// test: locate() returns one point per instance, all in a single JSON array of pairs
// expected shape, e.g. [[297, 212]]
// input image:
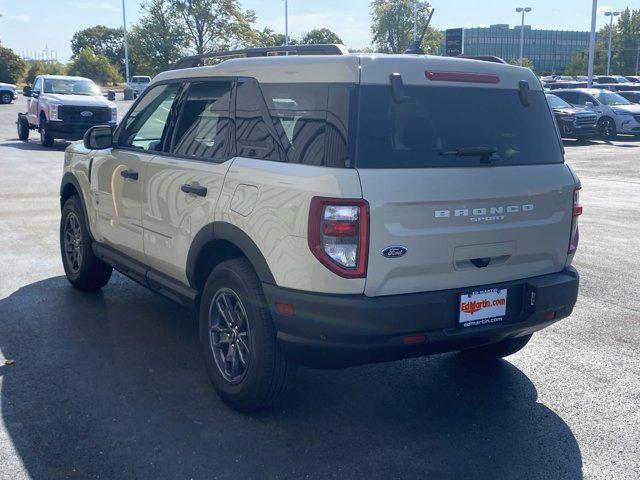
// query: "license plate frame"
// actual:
[[482, 307]]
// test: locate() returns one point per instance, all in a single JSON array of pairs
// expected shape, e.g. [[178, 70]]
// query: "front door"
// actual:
[[118, 174], [33, 102]]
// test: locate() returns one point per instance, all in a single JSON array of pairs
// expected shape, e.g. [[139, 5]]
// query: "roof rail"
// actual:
[[483, 58], [198, 60]]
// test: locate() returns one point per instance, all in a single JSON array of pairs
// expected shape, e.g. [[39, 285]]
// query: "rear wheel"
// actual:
[[238, 339], [6, 97], [504, 348], [607, 128], [23, 129], [83, 269], [46, 137]]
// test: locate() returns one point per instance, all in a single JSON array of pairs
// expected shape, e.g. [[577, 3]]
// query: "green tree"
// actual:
[[526, 62], [158, 40], [36, 68], [320, 36], [96, 67], [101, 40], [579, 63], [12, 67], [214, 24], [392, 26]]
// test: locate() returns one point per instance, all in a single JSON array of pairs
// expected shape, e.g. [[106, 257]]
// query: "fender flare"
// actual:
[[70, 179], [232, 234]]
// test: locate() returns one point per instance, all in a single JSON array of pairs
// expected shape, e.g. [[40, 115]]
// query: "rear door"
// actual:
[[464, 218], [183, 184]]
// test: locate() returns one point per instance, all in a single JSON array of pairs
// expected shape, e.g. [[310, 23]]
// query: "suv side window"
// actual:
[[145, 127], [37, 86], [203, 124], [583, 99], [570, 97], [255, 138]]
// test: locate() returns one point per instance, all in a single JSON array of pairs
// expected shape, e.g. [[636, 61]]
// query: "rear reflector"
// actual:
[[414, 339], [285, 309], [468, 77]]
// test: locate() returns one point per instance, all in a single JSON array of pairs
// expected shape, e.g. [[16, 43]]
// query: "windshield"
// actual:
[[71, 87], [610, 98], [454, 127], [557, 102]]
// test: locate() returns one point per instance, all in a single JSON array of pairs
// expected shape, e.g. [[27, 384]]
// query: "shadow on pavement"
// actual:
[[59, 145], [111, 385]]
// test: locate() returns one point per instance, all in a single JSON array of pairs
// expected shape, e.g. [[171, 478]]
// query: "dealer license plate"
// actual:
[[483, 307]]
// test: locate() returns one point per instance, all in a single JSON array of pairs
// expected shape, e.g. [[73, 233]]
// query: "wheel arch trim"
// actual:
[[226, 231]]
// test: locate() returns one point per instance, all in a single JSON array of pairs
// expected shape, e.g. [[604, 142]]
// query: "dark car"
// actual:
[[632, 95], [573, 122]]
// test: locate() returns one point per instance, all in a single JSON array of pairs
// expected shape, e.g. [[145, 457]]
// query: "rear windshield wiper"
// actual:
[[485, 153]]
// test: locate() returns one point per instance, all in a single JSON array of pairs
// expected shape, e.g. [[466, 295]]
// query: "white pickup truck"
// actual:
[[64, 107], [138, 84]]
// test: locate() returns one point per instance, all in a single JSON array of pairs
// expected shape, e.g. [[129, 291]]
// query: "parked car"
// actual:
[[617, 114], [64, 107], [138, 84], [331, 209], [8, 93], [573, 122], [632, 95], [633, 79]]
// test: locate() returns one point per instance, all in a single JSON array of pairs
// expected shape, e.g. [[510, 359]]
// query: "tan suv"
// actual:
[[331, 209]]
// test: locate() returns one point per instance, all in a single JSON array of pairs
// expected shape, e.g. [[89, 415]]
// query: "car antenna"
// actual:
[[414, 48]]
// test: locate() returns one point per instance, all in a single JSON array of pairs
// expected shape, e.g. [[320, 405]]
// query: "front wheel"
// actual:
[[84, 270], [607, 128], [46, 137], [6, 98], [238, 339], [504, 348]]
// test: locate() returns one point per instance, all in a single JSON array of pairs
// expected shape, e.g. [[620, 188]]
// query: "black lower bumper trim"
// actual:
[[341, 330]]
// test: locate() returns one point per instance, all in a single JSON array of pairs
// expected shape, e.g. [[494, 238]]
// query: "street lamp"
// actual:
[[415, 6], [610, 14], [126, 44], [522, 10]]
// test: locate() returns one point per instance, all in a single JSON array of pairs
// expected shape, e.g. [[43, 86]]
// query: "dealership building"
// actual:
[[549, 50]]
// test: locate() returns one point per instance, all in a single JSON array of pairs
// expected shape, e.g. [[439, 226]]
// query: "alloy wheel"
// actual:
[[73, 242], [229, 335]]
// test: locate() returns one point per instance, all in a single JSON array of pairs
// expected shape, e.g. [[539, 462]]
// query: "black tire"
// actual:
[[500, 349], [46, 138], [6, 98], [23, 129], [266, 374], [83, 269], [607, 128]]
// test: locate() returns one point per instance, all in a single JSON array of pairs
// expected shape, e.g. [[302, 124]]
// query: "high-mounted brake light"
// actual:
[[469, 77], [575, 232], [338, 235]]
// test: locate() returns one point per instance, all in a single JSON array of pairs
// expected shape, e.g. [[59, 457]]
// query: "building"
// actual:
[[549, 50]]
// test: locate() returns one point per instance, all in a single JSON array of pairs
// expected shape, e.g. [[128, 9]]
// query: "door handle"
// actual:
[[130, 174], [196, 190]]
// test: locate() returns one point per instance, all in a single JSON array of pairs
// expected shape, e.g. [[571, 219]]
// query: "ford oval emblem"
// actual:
[[394, 252], [86, 113]]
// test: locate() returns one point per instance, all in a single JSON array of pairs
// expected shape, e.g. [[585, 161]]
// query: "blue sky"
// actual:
[[33, 25]]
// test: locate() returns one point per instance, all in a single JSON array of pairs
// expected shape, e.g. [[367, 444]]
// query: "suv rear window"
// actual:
[[431, 122]]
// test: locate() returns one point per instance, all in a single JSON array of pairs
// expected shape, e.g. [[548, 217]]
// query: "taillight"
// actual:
[[338, 235], [577, 211]]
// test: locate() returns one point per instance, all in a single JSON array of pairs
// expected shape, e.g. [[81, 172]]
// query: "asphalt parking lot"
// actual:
[[111, 385]]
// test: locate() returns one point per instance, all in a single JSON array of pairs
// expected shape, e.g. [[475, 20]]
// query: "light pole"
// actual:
[[592, 42], [126, 44], [286, 22], [415, 6], [611, 15], [522, 10]]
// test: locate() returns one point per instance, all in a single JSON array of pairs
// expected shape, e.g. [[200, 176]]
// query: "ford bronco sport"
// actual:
[[331, 209], [64, 107]]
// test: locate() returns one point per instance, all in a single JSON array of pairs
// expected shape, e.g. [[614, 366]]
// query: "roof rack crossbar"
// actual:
[[198, 60], [483, 58]]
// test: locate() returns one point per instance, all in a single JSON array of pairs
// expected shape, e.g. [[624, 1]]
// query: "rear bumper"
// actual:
[[341, 330], [72, 130]]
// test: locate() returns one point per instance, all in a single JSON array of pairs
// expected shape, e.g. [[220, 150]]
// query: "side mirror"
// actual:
[[27, 91], [98, 137]]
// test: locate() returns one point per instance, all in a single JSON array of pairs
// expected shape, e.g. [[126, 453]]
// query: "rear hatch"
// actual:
[[467, 178]]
